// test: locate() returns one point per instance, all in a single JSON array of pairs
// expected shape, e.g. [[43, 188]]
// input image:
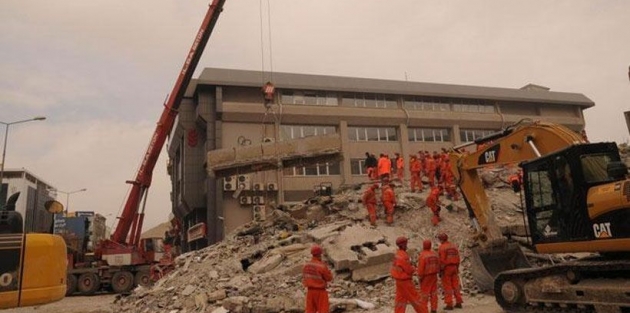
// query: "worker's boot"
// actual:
[[433, 311], [458, 305], [449, 308]]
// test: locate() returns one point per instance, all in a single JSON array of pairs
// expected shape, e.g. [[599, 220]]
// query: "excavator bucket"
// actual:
[[488, 262]]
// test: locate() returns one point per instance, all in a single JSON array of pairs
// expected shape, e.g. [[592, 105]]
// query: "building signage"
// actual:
[[196, 232]]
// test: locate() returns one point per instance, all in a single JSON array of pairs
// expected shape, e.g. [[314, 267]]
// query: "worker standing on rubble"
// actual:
[[415, 167], [315, 277], [449, 270], [370, 165], [448, 180], [402, 271], [429, 169], [433, 202], [428, 269], [389, 201], [384, 167], [400, 167], [516, 180], [369, 200]]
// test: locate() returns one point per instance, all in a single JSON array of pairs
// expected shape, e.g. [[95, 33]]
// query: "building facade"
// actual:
[[225, 109], [34, 193]]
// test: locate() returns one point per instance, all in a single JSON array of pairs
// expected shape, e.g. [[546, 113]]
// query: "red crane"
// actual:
[[124, 259]]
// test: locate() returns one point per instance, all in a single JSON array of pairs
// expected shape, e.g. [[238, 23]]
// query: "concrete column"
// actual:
[[455, 135], [404, 148], [346, 170]]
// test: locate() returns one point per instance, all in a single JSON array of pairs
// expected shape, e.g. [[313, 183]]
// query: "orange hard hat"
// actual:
[[442, 236], [316, 250], [402, 240], [426, 244]]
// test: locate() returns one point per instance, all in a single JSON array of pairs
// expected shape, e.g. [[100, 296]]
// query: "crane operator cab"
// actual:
[[577, 199], [33, 266]]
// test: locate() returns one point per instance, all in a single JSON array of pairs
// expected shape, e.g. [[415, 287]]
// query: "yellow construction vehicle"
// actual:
[[577, 199], [32, 266]]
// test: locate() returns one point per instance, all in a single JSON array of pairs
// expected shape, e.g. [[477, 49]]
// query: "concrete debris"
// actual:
[[257, 268]]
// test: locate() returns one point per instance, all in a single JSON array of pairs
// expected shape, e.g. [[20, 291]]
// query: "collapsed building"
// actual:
[[231, 160]]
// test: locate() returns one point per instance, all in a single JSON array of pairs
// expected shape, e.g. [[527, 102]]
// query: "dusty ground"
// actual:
[[93, 304], [103, 304]]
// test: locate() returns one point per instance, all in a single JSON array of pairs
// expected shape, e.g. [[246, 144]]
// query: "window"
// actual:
[[429, 135], [300, 131], [427, 103], [542, 201], [357, 167], [472, 106], [595, 167], [372, 134], [318, 169], [468, 135], [322, 98], [361, 100]]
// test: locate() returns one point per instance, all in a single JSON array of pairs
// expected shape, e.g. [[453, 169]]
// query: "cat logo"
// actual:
[[490, 156], [602, 230]]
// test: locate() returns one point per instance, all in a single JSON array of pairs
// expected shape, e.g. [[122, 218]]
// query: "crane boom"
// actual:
[[164, 126]]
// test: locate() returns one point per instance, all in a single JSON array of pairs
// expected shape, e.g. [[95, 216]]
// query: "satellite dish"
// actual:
[[53, 206]]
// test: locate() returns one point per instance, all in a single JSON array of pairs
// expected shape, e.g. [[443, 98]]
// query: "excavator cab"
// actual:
[[564, 189]]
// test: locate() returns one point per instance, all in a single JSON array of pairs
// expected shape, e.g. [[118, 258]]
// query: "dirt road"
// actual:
[[93, 304], [104, 304]]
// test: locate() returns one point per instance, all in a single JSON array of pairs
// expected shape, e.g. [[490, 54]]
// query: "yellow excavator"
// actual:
[[32, 266], [577, 199]]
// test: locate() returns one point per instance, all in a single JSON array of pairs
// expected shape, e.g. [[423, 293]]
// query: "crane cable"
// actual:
[[268, 109]]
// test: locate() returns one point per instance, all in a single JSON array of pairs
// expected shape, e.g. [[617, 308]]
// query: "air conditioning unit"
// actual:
[[259, 186], [245, 200], [243, 182], [258, 200], [229, 183], [272, 187], [259, 213]]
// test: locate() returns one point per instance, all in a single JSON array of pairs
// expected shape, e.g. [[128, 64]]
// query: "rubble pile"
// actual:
[[257, 268]]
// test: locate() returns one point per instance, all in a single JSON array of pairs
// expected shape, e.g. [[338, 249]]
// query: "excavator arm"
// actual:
[[520, 142]]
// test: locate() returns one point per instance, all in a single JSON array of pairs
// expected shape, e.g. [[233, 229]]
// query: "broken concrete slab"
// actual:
[[272, 155], [267, 263], [372, 273], [321, 233]]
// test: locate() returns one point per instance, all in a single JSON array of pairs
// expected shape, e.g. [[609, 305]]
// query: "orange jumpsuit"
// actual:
[[428, 269], [315, 276], [384, 167], [429, 169], [433, 202], [449, 263], [415, 167], [402, 272], [389, 201], [447, 180], [369, 200], [400, 168]]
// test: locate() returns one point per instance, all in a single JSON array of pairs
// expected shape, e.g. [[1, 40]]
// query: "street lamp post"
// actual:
[[68, 193], [6, 135]]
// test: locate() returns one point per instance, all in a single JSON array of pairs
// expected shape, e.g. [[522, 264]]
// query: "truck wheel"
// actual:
[[71, 284], [88, 283], [122, 281], [143, 279]]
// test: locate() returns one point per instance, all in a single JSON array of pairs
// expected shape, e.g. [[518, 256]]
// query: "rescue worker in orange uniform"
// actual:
[[415, 167], [516, 181], [369, 200], [449, 265], [448, 180], [433, 202], [400, 167], [389, 201], [402, 271], [429, 169], [315, 277], [428, 269], [384, 167]]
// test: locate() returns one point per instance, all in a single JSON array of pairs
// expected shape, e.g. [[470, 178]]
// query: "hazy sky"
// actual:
[[100, 70]]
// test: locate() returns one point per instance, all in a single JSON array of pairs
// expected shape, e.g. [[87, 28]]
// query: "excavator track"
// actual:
[[590, 285]]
